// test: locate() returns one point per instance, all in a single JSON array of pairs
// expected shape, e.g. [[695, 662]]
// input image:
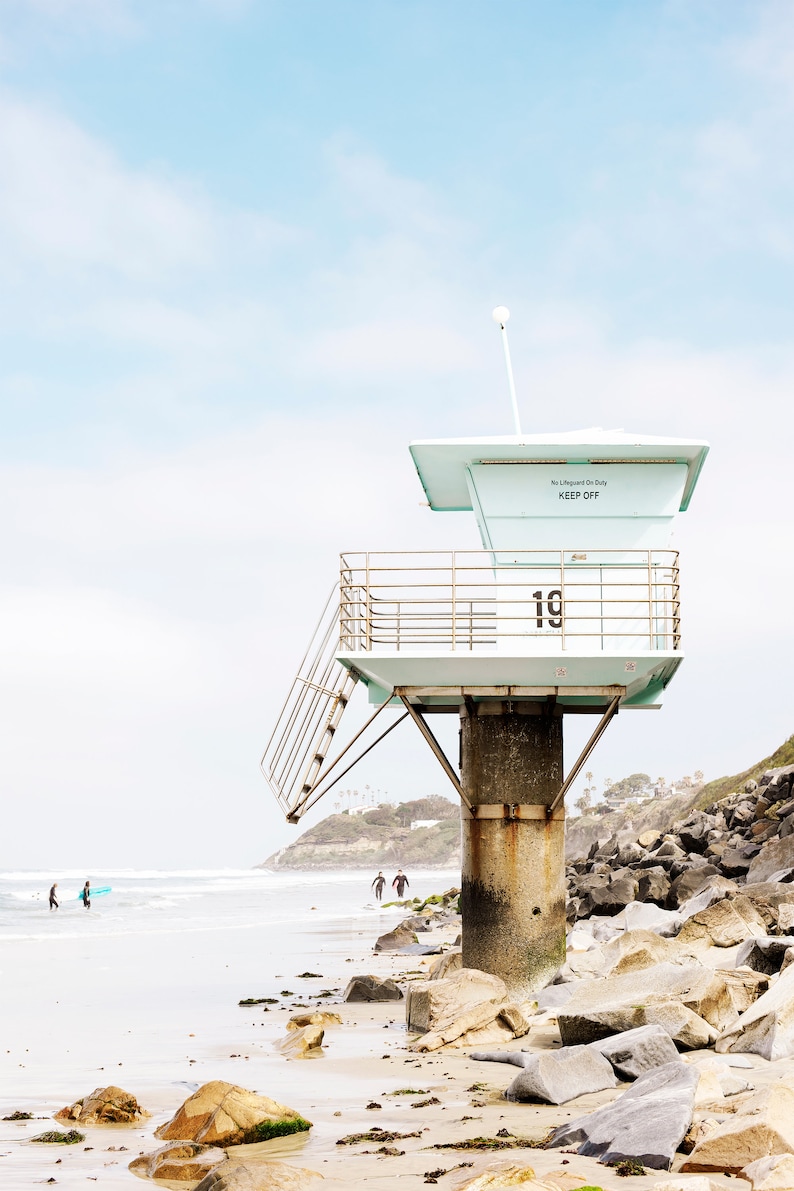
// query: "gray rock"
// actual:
[[764, 954], [372, 988], [634, 1052], [555, 1077], [421, 949], [518, 1058], [554, 995], [776, 855], [653, 885], [647, 1123], [395, 940]]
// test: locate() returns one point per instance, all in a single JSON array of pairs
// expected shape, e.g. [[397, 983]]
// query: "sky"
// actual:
[[249, 250]]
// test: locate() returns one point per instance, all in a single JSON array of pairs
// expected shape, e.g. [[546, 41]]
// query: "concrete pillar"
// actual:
[[513, 869]]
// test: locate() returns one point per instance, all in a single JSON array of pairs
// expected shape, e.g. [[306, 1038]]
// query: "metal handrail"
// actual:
[[462, 601]]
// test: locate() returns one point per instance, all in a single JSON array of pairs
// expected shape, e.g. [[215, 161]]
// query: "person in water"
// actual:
[[377, 885], [87, 895], [399, 882], [53, 898]]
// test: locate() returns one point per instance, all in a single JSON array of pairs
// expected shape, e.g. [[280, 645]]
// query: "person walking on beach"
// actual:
[[53, 898], [399, 882], [377, 885], [87, 895]]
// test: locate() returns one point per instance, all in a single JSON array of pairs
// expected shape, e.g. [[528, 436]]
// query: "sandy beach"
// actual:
[[158, 1015]]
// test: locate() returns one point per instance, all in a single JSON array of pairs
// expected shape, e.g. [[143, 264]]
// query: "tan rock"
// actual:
[[762, 1126], [182, 1162], [432, 1001], [300, 1041], [104, 1106], [690, 1001], [475, 1025], [785, 918], [258, 1176], [744, 986], [451, 961], [648, 839], [496, 1177], [317, 1018], [767, 1027], [637, 949], [775, 1173], [693, 1182], [696, 1132], [225, 1114], [723, 924]]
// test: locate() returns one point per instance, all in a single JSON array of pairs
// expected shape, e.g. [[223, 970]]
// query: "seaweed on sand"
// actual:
[[56, 1137], [381, 1135]]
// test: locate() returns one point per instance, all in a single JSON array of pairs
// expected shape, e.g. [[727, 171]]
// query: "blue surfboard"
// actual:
[[94, 892]]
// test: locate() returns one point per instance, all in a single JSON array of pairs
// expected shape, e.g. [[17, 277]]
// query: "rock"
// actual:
[[775, 855], [258, 1176], [421, 949], [451, 961], [646, 1123], [612, 898], [764, 954], [182, 1161], [785, 918], [637, 949], [372, 988], [557, 1077], [104, 1106], [653, 885], [649, 917], [634, 1052], [744, 987], [690, 882], [298, 1043], [696, 1132], [475, 1025], [395, 940], [723, 924], [225, 1114], [762, 1126], [417, 923], [554, 995], [690, 1002], [648, 839], [692, 1182], [734, 862], [715, 890], [495, 1180], [775, 1173], [319, 1017], [767, 1027], [432, 1001]]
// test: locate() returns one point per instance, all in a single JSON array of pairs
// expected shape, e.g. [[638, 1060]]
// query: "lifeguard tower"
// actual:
[[571, 607]]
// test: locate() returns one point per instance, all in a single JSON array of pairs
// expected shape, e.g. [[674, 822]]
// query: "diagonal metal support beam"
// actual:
[[581, 761], [441, 756], [314, 794]]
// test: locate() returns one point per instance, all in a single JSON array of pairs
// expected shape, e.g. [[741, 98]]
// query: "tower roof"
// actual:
[[441, 463]]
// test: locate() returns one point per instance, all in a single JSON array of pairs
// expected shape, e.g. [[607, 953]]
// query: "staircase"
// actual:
[[293, 759]]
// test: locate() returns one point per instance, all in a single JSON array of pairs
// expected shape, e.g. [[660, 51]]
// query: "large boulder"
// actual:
[[555, 1077], [646, 1123], [764, 954], [181, 1162], [303, 1042], [690, 1002], [762, 1126], [451, 961], [258, 1176], [775, 1173], [723, 924], [767, 1027], [104, 1106], [372, 988], [431, 1001], [637, 949], [476, 1024], [221, 1113], [395, 940], [634, 1052], [777, 854]]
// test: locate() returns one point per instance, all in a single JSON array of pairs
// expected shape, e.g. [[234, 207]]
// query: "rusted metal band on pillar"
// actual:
[[515, 811]]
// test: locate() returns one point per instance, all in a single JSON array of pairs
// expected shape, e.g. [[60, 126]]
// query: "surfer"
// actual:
[[87, 895], [377, 885], [53, 898], [399, 882]]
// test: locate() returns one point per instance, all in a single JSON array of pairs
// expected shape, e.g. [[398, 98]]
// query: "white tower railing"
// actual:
[[526, 602]]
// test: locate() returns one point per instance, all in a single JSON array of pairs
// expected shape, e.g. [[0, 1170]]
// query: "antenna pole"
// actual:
[[500, 315]]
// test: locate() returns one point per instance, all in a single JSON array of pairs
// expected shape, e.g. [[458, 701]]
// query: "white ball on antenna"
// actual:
[[500, 315]]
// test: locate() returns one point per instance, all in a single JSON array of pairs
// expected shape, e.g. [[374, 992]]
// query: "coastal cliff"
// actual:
[[378, 838]]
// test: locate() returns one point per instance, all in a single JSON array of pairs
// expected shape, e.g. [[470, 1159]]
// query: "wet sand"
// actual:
[[160, 1018]]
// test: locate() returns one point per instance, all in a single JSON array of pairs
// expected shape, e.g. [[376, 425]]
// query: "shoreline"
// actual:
[[111, 1029]]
